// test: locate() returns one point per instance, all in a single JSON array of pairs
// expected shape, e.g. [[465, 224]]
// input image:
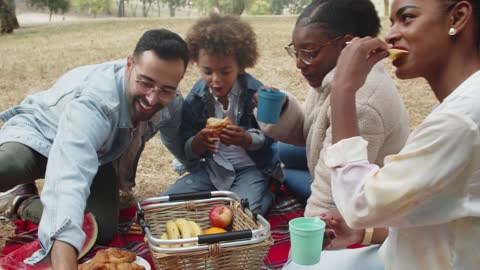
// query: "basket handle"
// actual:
[[141, 220], [190, 196], [202, 195], [228, 236]]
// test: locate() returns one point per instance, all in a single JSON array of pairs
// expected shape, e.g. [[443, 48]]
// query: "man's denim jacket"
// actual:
[[199, 106], [82, 122]]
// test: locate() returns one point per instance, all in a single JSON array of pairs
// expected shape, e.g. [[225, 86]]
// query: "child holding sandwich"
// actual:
[[231, 152]]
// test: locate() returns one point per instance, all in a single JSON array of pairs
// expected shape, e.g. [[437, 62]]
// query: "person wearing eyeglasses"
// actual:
[[319, 36], [241, 159], [74, 134]]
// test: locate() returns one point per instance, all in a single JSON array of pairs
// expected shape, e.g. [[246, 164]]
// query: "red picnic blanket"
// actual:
[[285, 209]]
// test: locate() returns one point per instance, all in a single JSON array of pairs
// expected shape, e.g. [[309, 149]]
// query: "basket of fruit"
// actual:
[[205, 230]]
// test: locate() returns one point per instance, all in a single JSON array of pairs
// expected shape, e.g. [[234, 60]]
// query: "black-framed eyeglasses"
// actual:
[[307, 56], [147, 87]]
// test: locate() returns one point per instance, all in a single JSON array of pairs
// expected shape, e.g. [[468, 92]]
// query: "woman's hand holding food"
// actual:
[[355, 62]]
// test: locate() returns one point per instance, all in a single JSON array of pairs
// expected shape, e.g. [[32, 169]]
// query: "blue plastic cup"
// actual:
[[269, 105], [306, 239]]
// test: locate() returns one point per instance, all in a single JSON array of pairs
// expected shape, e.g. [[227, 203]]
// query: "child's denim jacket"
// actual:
[[199, 106]]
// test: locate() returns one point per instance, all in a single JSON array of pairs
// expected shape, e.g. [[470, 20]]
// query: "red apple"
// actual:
[[220, 216]]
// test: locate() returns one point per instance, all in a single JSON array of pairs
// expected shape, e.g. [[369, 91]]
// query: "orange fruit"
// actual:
[[213, 230]]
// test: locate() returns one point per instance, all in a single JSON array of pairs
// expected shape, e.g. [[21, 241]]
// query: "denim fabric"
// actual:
[[299, 183], [167, 122], [292, 156], [249, 183], [199, 106], [80, 123], [297, 176]]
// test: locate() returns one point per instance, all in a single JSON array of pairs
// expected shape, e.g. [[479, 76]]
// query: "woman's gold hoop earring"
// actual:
[[452, 31]]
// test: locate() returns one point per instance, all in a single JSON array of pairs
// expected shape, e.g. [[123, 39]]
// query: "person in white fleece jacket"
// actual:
[[319, 36]]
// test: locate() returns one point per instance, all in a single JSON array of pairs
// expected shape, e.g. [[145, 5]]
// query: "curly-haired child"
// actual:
[[242, 159]]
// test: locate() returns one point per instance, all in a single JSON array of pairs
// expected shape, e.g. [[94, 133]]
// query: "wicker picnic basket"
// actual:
[[245, 247]]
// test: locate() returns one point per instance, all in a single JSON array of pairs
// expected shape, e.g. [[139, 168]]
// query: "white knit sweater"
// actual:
[[382, 121]]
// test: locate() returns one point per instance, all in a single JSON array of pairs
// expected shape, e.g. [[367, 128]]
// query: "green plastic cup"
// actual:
[[306, 239]]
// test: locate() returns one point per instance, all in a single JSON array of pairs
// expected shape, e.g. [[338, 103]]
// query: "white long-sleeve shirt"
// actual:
[[428, 194]]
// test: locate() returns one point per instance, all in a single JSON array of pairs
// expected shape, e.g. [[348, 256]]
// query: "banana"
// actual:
[[172, 231], [185, 230], [197, 230], [164, 237]]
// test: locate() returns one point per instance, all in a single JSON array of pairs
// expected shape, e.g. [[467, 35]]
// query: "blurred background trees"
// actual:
[[53, 6], [90, 7], [155, 8]]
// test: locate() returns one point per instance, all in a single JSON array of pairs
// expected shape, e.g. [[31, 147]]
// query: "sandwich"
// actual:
[[217, 124]]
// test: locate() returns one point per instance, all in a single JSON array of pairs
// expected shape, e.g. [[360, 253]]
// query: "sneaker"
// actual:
[[178, 167], [11, 199]]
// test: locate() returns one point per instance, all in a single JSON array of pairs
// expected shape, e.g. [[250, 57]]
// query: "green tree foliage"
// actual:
[[173, 4], [93, 7], [259, 7], [203, 6], [238, 6], [277, 6], [53, 6], [234, 7], [297, 6]]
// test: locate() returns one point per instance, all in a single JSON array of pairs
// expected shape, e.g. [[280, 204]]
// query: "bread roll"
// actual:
[[217, 124]]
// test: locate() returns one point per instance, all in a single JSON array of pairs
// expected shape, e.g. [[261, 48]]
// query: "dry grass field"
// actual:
[[34, 57]]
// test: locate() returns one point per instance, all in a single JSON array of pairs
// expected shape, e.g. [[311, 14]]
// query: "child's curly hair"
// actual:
[[224, 35]]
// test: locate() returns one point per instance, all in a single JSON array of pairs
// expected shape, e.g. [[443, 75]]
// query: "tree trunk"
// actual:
[[6, 21], [386, 8], [148, 8], [144, 8], [5, 25], [134, 9], [13, 11], [159, 7], [172, 10], [121, 8], [50, 18], [238, 7]]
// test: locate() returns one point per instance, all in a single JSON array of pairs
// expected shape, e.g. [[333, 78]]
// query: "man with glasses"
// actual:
[[89, 127]]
